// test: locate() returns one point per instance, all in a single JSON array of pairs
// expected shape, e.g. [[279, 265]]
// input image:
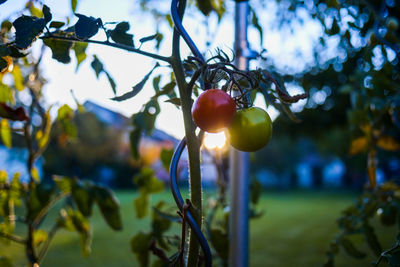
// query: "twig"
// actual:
[[116, 45], [49, 205], [14, 238]]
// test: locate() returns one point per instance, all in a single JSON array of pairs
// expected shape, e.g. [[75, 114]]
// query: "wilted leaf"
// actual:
[[109, 206], [372, 168], [388, 143], [205, 6], [14, 114], [60, 49], [86, 27], [120, 35], [148, 38], [137, 88], [56, 24], [27, 29], [358, 145], [5, 132]]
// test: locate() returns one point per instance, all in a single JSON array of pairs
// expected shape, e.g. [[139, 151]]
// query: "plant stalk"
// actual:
[[193, 144]]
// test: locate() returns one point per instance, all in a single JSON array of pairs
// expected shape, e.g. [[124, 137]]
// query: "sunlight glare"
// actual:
[[215, 140]]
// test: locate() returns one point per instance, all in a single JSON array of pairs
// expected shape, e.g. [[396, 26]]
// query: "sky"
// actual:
[[128, 68]]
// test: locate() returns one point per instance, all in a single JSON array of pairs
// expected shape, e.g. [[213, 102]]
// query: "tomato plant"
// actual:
[[251, 129], [213, 110]]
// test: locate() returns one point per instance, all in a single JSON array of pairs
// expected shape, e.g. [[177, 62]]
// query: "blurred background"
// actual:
[[309, 172]]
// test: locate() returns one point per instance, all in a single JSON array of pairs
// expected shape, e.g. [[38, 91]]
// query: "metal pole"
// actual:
[[239, 161]]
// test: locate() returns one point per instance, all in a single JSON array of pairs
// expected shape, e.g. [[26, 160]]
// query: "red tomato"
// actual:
[[213, 110]]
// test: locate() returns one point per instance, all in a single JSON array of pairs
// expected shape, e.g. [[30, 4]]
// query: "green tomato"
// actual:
[[251, 129]]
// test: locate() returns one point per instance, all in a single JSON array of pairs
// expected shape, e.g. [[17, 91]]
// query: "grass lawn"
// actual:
[[295, 230]]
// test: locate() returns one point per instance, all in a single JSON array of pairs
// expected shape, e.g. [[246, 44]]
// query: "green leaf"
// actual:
[[60, 49], [167, 89], [82, 226], [256, 24], [112, 82], [46, 14], [83, 197], [372, 239], [5, 133], [120, 35], [15, 53], [63, 183], [141, 204], [147, 181], [166, 156], [4, 261], [351, 249], [80, 53], [3, 65], [255, 190], [156, 83], [27, 29], [73, 5], [145, 119], [394, 259], [65, 113], [160, 225], [3, 177], [109, 206], [56, 24], [18, 79], [86, 27], [137, 88], [39, 236], [4, 51], [5, 93], [220, 242], [97, 66], [134, 140], [139, 245], [175, 100]]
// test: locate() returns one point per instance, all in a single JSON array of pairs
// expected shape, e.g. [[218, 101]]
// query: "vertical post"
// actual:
[[239, 161]]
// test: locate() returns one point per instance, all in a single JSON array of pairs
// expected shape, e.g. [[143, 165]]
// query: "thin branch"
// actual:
[[116, 45], [49, 205], [46, 245], [14, 238]]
